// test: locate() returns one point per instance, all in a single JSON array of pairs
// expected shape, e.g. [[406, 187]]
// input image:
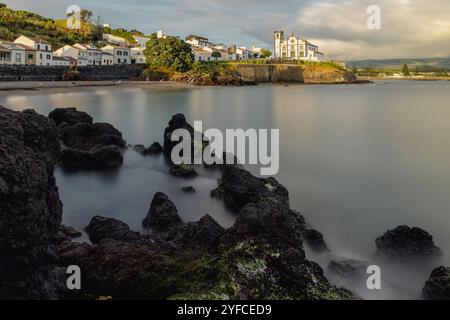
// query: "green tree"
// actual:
[[265, 54], [2, 5], [170, 52], [86, 15], [216, 55], [405, 70]]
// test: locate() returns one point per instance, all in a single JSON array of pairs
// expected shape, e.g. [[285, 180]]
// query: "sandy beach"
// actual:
[[37, 87]]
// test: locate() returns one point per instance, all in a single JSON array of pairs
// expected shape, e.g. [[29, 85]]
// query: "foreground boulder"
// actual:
[[238, 187], [438, 286], [163, 216], [183, 171], [101, 228], [178, 122], [154, 149], [87, 145], [30, 209], [405, 243]]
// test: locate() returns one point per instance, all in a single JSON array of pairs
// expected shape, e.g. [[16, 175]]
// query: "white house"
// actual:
[[198, 41], [115, 39], [137, 55], [295, 48], [44, 54], [68, 51], [5, 55], [141, 41], [107, 59], [18, 53], [94, 54], [201, 54], [243, 53], [121, 54], [61, 61]]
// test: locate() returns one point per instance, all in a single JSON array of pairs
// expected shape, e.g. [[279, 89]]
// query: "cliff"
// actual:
[[309, 73]]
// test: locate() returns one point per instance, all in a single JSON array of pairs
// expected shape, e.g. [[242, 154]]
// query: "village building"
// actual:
[[81, 56], [201, 54], [5, 55], [44, 54], [17, 53], [121, 54], [137, 55], [94, 54], [61, 61], [141, 41], [119, 41], [295, 48], [107, 59], [198, 41]]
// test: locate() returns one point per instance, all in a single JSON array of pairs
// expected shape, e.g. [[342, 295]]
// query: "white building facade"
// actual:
[[44, 54], [121, 55], [295, 48]]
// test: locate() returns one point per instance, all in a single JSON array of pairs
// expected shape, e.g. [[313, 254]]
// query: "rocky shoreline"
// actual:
[[262, 256]]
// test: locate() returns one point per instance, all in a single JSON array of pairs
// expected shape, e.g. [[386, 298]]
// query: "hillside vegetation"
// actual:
[[14, 23]]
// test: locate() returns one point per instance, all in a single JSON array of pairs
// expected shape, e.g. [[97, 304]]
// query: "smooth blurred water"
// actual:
[[357, 159]]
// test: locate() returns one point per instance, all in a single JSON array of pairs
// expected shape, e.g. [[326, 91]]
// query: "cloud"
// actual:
[[410, 28]]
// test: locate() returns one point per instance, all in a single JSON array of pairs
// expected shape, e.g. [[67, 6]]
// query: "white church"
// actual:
[[295, 48]]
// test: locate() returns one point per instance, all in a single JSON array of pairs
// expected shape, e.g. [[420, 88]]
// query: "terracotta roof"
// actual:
[[38, 40]]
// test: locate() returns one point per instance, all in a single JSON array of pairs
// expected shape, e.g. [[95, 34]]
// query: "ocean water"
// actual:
[[357, 160]]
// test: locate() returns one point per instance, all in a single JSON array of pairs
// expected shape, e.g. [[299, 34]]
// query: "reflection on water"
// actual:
[[357, 160]]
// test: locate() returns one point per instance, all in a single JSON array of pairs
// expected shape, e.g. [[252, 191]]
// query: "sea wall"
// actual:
[[279, 73], [56, 73]]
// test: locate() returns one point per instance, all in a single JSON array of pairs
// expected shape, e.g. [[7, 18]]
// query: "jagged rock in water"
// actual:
[[29, 204], [315, 240], [183, 170], [177, 122], [154, 149], [405, 243], [438, 285], [204, 232], [101, 228], [69, 116], [189, 189], [238, 187], [163, 216], [87, 145]]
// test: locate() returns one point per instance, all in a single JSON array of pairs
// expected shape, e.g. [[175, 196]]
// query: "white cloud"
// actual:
[[410, 28]]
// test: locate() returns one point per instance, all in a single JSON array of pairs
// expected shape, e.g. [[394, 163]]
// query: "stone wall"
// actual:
[[56, 73]]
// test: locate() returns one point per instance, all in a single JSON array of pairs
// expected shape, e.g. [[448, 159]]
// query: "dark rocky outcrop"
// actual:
[[30, 209], [101, 228], [70, 116], [238, 187], [183, 171], [189, 189], [405, 243], [348, 268], [87, 145], [155, 149], [163, 216], [438, 286], [315, 240], [206, 232], [177, 122]]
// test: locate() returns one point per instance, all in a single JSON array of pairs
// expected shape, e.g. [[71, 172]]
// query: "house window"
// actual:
[[18, 57], [39, 47], [46, 48], [30, 56], [40, 55], [49, 57], [125, 61], [118, 60]]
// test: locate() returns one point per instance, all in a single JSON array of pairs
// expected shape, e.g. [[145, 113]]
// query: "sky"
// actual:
[[409, 28]]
